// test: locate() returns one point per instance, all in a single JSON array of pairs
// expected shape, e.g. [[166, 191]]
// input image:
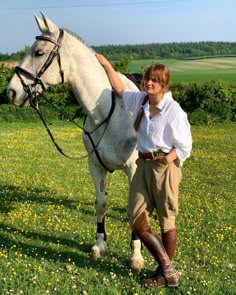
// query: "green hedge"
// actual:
[[5, 76], [205, 102], [10, 113]]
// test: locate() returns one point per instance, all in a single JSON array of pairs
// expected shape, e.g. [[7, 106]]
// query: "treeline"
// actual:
[[17, 56], [205, 102], [167, 50], [152, 51]]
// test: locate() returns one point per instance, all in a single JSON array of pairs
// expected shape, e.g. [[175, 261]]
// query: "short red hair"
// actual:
[[160, 72]]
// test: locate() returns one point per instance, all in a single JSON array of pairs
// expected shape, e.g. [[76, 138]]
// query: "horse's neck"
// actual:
[[89, 81]]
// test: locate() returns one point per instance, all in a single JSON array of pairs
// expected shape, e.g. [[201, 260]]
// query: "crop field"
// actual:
[[193, 70], [186, 70], [47, 218]]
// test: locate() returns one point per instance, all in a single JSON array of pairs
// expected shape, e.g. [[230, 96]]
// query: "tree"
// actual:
[[122, 65]]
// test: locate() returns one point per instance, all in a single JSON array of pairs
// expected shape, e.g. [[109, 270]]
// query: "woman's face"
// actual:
[[152, 86]]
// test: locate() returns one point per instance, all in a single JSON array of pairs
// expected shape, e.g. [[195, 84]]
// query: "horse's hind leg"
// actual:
[[136, 260], [99, 177]]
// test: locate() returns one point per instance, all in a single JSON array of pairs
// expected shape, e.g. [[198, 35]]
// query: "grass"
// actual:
[[47, 218], [193, 70]]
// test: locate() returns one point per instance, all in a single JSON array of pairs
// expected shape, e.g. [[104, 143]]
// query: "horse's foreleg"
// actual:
[[99, 178]]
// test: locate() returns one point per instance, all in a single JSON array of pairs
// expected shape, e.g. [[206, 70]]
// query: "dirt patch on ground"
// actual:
[[9, 64]]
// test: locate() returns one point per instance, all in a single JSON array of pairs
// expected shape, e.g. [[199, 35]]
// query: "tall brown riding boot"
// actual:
[[169, 240], [168, 277]]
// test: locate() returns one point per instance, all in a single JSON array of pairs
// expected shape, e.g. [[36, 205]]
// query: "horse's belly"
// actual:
[[114, 153], [120, 152]]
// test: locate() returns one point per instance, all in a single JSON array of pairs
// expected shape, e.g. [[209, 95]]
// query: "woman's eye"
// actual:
[[38, 53], [154, 80]]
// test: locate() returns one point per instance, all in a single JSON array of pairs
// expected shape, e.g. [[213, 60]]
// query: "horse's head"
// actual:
[[33, 75]]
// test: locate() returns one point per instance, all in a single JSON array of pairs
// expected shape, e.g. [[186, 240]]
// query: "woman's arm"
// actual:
[[115, 80]]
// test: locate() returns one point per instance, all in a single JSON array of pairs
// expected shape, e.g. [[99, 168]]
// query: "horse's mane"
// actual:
[[78, 38], [136, 78]]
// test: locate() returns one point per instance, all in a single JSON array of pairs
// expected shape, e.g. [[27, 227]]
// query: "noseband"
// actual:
[[31, 89]]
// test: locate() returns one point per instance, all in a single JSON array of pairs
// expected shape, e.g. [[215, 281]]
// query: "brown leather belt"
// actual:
[[151, 155]]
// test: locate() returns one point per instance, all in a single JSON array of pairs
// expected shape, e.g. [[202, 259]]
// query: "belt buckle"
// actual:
[[155, 154]]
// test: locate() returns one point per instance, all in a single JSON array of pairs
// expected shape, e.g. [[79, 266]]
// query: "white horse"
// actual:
[[110, 140]]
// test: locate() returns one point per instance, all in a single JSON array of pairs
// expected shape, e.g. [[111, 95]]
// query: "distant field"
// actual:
[[193, 70], [186, 70]]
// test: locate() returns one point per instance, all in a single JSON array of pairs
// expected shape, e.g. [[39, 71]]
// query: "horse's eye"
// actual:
[[38, 53]]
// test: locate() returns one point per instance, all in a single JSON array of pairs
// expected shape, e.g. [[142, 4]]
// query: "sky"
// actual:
[[113, 22]]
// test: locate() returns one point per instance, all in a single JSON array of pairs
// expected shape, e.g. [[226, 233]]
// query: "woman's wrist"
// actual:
[[171, 156], [165, 160]]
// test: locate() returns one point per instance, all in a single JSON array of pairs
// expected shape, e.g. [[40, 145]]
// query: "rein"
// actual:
[[34, 97], [94, 146]]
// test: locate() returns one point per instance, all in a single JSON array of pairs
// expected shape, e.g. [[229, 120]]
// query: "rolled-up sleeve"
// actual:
[[181, 134], [133, 100]]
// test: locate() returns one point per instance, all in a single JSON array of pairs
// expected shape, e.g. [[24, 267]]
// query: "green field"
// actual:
[[47, 218], [193, 70]]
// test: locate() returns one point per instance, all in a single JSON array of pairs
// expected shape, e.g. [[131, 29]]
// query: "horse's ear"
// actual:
[[51, 27], [41, 24], [45, 25]]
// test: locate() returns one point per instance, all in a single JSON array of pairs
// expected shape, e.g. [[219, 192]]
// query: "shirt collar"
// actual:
[[164, 101]]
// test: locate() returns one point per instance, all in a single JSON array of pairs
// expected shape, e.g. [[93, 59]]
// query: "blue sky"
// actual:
[[104, 22]]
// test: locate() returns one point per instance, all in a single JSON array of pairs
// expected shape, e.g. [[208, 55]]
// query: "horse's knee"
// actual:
[[101, 207]]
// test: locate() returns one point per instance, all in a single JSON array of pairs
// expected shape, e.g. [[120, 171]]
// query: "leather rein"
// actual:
[[34, 97]]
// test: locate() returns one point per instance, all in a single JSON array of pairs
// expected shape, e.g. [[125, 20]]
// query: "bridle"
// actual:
[[30, 89], [33, 95]]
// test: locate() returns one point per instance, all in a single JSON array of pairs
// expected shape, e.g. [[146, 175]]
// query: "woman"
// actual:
[[164, 143]]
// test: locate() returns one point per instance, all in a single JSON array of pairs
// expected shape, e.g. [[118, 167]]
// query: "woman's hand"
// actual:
[[103, 61], [165, 160], [115, 80]]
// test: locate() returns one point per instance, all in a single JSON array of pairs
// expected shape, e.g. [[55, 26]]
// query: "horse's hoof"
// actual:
[[136, 264], [95, 252]]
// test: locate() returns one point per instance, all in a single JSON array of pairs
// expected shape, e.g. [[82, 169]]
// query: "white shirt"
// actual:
[[169, 128]]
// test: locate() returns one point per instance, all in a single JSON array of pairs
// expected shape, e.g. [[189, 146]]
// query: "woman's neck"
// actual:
[[154, 99]]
